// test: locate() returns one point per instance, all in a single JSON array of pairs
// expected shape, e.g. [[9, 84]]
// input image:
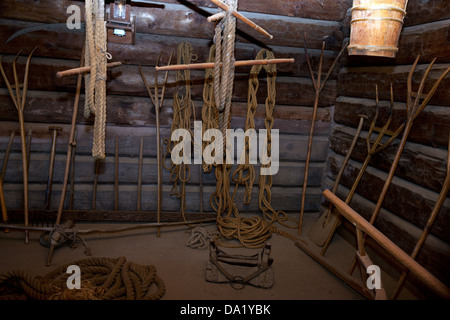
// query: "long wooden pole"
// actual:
[[420, 272], [71, 144], [81, 70], [437, 207], [207, 65]]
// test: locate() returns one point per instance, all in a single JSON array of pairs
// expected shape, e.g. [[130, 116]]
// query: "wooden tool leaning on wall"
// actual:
[[413, 110], [318, 85], [157, 100], [71, 145], [434, 213], [403, 258], [373, 147], [321, 229], [19, 102]]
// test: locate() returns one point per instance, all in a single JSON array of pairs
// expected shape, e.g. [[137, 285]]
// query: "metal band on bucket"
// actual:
[[379, 7], [378, 19], [373, 48]]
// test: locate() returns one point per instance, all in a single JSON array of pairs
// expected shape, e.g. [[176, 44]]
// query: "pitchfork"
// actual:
[[19, 103], [373, 147]]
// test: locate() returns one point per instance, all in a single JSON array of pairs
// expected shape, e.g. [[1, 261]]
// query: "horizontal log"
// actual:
[[420, 12], [126, 80], [289, 173], [43, 216], [283, 198], [292, 147], [50, 107], [67, 44], [210, 65], [179, 20], [427, 40], [422, 165], [430, 128], [360, 82], [335, 10], [433, 255], [407, 200]]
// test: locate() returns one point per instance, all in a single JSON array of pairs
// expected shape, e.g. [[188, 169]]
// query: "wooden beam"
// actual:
[[207, 65], [407, 200], [239, 16], [420, 272]]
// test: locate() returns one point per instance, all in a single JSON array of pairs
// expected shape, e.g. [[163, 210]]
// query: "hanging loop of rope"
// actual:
[[183, 113]]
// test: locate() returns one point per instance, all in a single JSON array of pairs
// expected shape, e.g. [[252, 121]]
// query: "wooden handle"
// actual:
[[362, 224], [207, 65]]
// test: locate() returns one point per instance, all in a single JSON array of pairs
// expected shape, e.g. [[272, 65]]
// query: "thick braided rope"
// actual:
[[102, 279], [89, 58], [98, 148]]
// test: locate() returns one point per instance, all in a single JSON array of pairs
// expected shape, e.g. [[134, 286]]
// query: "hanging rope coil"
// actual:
[[96, 56], [251, 232], [102, 279], [183, 112]]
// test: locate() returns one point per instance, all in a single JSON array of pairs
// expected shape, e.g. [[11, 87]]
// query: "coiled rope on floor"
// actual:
[[102, 279]]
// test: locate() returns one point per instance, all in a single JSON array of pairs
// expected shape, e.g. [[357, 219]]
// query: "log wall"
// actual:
[[160, 28], [423, 165]]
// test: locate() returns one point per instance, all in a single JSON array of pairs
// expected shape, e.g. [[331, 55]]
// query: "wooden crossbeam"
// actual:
[[86, 69], [207, 65]]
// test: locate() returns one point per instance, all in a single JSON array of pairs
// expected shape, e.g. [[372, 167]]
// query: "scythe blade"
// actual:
[[42, 27]]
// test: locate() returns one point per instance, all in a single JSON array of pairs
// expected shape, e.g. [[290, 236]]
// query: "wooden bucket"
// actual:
[[376, 26]]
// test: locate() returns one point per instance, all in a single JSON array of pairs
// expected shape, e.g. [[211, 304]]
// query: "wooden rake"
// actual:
[[413, 110], [318, 85], [19, 102], [158, 103]]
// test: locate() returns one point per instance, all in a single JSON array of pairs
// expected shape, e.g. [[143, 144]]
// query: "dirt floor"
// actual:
[[296, 275]]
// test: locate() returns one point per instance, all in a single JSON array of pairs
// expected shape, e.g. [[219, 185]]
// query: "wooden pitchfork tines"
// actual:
[[19, 100]]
